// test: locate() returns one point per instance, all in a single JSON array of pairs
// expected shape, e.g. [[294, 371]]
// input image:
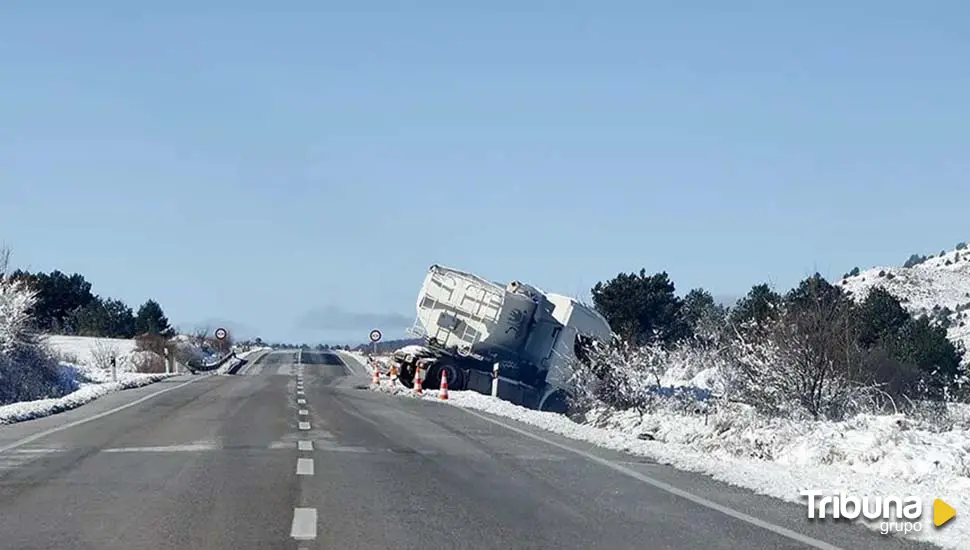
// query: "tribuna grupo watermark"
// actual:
[[895, 514]]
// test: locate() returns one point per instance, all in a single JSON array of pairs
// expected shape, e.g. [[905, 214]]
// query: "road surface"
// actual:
[[290, 454]]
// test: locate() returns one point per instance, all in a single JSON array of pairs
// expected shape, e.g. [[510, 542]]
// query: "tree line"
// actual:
[[65, 304], [813, 348]]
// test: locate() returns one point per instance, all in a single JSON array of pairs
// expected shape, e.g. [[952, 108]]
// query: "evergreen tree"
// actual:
[[59, 296], [104, 317], [641, 308], [759, 305], [151, 320], [880, 317], [702, 314]]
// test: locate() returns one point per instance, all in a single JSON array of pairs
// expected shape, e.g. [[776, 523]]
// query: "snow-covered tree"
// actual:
[[26, 369]]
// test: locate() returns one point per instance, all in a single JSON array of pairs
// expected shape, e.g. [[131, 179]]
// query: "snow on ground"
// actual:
[[84, 350], [85, 362], [942, 281], [95, 388], [867, 455]]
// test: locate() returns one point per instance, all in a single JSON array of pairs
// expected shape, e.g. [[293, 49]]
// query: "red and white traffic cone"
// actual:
[[419, 379], [444, 386], [377, 376]]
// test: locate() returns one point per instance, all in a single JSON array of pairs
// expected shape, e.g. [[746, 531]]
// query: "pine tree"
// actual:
[[151, 320]]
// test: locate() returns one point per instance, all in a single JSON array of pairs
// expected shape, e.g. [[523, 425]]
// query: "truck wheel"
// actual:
[[406, 375], [456, 379], [558, 403]]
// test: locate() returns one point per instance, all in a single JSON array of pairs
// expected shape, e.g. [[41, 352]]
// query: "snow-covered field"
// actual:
[[866, 455], [87, 351]]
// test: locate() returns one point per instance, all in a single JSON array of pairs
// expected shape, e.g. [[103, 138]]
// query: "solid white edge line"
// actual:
[[304, 466], [103, 414], [777, 529], [304, 525]]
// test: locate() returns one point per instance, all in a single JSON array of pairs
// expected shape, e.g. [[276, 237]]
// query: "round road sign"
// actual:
[[221, 334], [375, 335]]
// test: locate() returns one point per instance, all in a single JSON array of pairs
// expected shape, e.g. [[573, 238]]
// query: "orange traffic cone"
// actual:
[[444, 386], [419, 379]]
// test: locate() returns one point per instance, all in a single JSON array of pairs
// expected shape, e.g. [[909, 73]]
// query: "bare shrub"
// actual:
[[104, 355], [201, 335], [805, 363], [153, 343], [622, 376], [147, 362]]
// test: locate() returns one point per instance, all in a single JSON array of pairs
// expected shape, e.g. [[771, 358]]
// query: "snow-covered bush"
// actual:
[[645, 378], [104, 355], [146, 361], [27, 370]]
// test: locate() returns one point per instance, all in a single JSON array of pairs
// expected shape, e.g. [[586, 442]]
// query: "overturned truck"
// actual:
[[470, 325]]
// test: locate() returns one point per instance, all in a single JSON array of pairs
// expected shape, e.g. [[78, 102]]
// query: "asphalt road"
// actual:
[[290, 454]]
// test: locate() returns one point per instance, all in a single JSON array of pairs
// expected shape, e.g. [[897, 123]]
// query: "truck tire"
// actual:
[[406, 375], [557, 402], [456, 377]]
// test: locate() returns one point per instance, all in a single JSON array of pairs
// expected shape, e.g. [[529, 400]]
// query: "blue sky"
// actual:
[[293, 171]]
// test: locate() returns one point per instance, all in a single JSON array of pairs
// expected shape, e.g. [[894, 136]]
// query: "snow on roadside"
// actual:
[[867, 455], [29, 410]]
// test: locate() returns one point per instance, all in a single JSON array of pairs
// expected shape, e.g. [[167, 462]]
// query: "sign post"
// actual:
[[375, 337], [221, 335], [495, 379]]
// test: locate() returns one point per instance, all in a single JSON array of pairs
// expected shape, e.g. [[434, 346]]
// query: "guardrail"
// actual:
[[215, 366], [237, 365]]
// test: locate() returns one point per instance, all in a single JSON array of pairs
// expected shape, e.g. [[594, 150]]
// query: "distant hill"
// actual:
[[388, 346], [937, 286]]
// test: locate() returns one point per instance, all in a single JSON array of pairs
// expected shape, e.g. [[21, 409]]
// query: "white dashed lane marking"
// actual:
[[304, 445], [301, 401], [304, 425], [304, 525], [304, 466], [304, 412]]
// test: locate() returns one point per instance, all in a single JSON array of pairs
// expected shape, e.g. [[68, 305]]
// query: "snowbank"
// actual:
[[867, 455], [28, 410]]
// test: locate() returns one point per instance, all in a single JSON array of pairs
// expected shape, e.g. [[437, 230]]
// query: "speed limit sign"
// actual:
[[375, 336], [221, 334]]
